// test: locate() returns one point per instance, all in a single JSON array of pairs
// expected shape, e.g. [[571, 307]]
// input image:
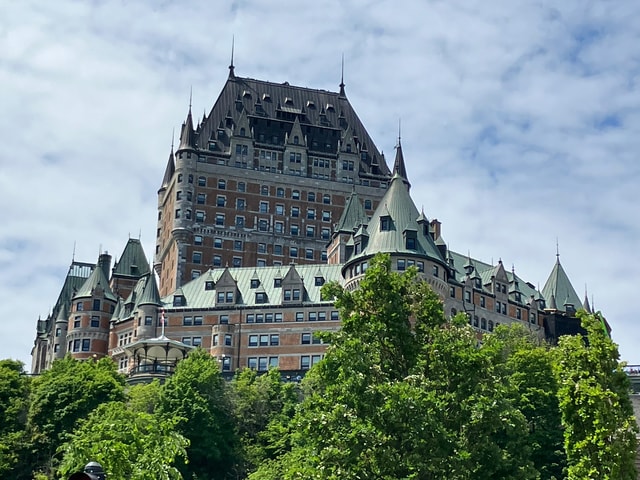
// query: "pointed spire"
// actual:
[[585, 304], [171, 167], [342, 92], [232, 73], [552, 303], [399, 168], [187, 135]]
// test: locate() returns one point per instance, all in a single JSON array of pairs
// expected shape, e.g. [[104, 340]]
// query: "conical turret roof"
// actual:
[[395, 218], [559, 286], [150, 294], [187, 134], [352, 216], [399, 167], [133, 262]]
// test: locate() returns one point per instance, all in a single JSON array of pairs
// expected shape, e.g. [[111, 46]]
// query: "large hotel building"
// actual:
[[278, 190]]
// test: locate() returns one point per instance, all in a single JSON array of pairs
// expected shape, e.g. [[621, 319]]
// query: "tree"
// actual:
[[402, 393], [14, 441], [263, 406], [69, 391], [527, 363], [600, 430], [197, 394], [129, 445]]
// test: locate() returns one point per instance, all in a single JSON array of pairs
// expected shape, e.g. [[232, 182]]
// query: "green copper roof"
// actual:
[[96, 279], [352, 216], [150, 294], [560, 287], [133, 262], [198, 297], [400, 216]]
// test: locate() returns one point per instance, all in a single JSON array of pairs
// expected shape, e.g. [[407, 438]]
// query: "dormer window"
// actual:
[[330, 107], [178, 301], [319, 281], [296, 140], [288, 101], [208, 285], [311, 104], [266, 97], [385, 224], [277, 282], [246, 94], [478, 283], [255, 283], [261, 297]]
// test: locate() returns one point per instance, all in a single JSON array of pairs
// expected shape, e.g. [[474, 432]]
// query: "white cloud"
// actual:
[[520, 124]]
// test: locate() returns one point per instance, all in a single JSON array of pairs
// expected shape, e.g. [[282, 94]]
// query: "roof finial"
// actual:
[[190, 97], [557, 250], [399, 129], [173, 137], [342, 93], [231, 66], [73, 255]]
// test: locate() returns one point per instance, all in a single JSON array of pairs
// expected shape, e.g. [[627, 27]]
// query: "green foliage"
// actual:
[[145, 397], [69, 391], [197, 394], [528, 366], [600, 431], [263, 406], [130, 445], [401, 393]]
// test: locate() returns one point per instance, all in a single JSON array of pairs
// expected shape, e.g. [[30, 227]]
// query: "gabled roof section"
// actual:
[[97, 279], [398, 212], [352, 216], [133, 262], [560, 287]]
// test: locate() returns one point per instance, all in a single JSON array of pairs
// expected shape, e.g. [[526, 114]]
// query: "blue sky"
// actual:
[[520, 125]]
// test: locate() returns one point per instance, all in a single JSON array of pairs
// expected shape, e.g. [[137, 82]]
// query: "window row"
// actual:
[[264, 340], [193, 341], [79, 345], [262, 364]]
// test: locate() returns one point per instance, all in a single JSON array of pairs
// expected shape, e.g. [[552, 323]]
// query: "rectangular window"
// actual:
[[305, 339], [236, 262], [76, 345], [311, 214], [217, 261], [274, 340], [199, 216], [482, 301], [239, 221], [215, 340], [295, 230], [224, 320], [278, 227], [401, 264], [228, 339], [262, 364], [202, 182], [296, 294], [86, 344], [322, 316], [299, 316], [326, 199], [311, 231], [253, 340], [279, 209], [313, 316], [221, 200], [278, 317], [295, 212], [305, 362], [308, 254], [148, 320], [293, 252], [264, 207], [237, 245], [229, 297], [196, 341], [252, 363], [262, 248], [197, 239], [95, 321], [197, 320], [187, 321], [76, 322], [242, 187], [196, 257], [219, 219], [334, 315], [226, 364], [273, 362], [58, 332]]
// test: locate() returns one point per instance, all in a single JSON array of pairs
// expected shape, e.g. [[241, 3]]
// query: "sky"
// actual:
[[520, 126]]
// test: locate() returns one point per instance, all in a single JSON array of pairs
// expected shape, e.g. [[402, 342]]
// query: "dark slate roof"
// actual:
[[133, 262], [272, 109], [560, 287], [169, 170], [399, 167]]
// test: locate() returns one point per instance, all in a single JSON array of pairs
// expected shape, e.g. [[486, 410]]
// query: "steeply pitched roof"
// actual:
[[560, 287], [352, 216], [399, 167], [150, 294], [402, 213], [169, 170], [95, 280], [133, 262], [272, 109]]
